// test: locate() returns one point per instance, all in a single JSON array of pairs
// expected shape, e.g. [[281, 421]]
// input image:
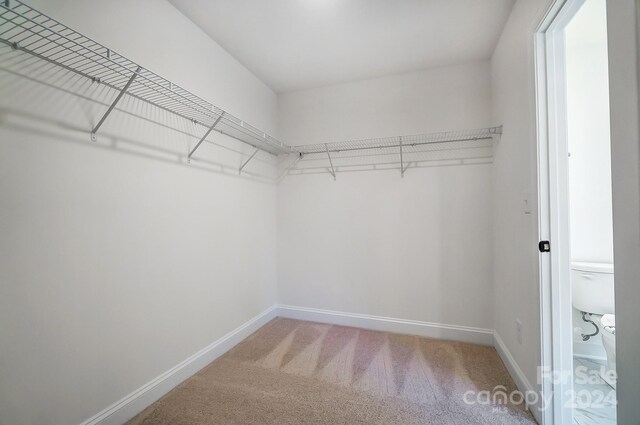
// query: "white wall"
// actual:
[[438, 99], [591, 215], [370, 242], [624, 87], [117, 259], [516, 277], [589, 135]]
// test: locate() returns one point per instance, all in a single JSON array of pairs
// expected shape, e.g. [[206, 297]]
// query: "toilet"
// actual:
[[593, 292], [608, 331]]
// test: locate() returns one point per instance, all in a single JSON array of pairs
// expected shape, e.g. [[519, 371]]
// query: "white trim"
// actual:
[[134, 403], [544, 262], [555, 294], [557, 148], [129, 406], [518, 375], [584, 350], [389, 324]]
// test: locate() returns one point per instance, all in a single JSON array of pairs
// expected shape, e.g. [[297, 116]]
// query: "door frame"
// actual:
[[556, 372]]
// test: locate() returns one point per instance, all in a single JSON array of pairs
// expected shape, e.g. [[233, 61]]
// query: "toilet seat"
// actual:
[[608, 322]]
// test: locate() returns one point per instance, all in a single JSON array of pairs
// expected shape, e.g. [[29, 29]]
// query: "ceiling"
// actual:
[[297, 44]]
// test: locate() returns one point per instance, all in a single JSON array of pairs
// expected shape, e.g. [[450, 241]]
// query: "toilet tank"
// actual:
[[592, 287]]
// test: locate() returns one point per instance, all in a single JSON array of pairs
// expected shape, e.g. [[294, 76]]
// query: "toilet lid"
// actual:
[[608, 322]]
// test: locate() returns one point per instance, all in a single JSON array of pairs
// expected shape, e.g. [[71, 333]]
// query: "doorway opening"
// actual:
[[574, 167]]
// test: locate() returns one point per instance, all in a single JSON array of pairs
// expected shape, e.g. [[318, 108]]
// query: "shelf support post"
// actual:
[[204, 137], [113, 105], [333, 171], [247, 161]]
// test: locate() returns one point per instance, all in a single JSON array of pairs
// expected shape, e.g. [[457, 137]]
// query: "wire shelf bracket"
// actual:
[[115, 102], [195, 148], [291, 166], [333, 171], [244, 164]]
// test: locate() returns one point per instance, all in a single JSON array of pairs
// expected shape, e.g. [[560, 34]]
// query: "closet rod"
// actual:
[[398, 145]]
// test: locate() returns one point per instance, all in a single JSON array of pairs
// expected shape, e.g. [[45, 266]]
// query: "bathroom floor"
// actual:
[[595, 400]]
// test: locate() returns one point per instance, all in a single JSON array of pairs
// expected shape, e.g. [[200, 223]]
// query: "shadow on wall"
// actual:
[[44, 100]]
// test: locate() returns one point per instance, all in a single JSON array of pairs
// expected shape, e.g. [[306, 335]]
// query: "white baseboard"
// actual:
[[517, 374], [585, 350], [388, 324], [129, 406], [426, 329], [134, 403]]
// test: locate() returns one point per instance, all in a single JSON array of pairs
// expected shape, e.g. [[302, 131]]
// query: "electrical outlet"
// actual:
[[519, 331]]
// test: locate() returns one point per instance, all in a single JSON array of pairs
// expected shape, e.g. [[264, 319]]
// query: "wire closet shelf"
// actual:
[[27, 30], [461, 146], [402, 141]]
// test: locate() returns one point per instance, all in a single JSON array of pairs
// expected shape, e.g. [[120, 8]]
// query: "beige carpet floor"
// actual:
[[295, 372]]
